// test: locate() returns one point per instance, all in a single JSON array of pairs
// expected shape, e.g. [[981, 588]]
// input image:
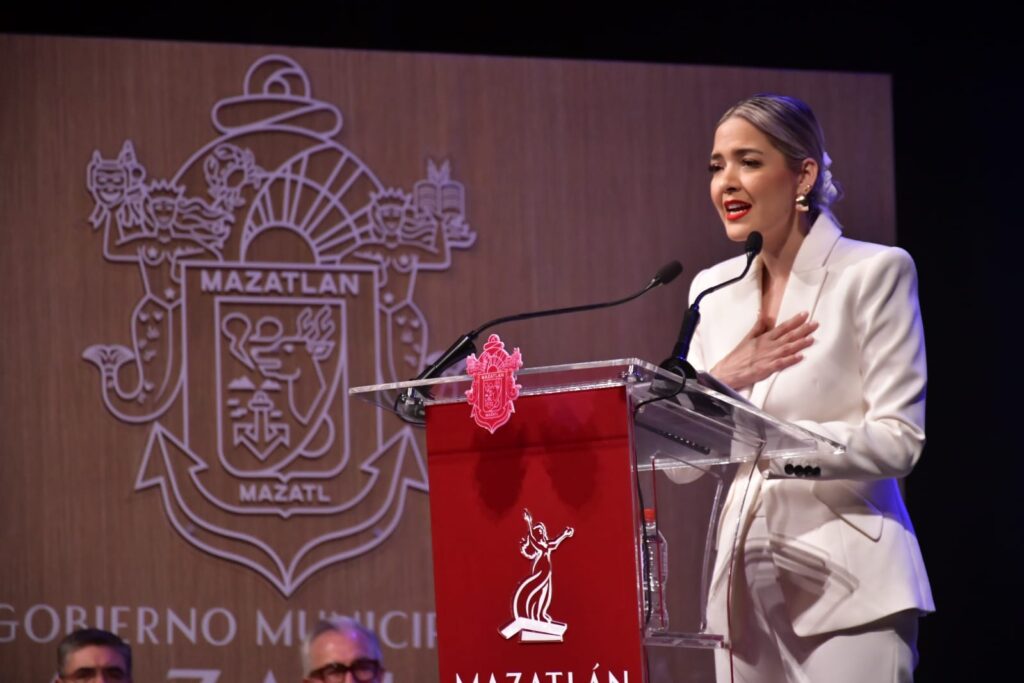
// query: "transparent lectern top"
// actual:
[[695, 427]]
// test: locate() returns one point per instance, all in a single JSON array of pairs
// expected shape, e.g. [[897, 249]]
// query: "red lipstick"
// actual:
[[735, 209]]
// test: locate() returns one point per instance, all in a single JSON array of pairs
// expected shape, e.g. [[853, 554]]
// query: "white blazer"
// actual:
[[842, 541]]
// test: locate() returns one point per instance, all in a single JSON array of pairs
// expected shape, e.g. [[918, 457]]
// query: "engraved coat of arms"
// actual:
[[275, 271]]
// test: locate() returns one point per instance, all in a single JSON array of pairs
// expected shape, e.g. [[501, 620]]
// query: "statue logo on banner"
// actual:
[[530, 618], [494, 389], [277, 270]]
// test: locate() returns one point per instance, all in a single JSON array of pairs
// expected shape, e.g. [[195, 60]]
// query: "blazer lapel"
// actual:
[[804, 286]]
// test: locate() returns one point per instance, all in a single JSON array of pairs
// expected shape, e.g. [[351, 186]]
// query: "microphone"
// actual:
[[465, 346], [677, 363]]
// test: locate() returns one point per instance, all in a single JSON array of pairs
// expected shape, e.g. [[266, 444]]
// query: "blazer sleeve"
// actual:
[[888, 441]]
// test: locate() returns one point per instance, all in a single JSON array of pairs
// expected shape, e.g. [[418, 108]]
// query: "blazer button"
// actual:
[[788, 468], [800, 470], [816, 471]]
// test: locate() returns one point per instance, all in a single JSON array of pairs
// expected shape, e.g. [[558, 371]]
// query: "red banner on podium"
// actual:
[[535, 542]]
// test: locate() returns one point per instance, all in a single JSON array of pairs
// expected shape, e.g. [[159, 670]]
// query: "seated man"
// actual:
[[340, 650], [90, 654]]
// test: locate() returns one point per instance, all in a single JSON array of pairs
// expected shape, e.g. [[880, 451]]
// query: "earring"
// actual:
[[803, 202]]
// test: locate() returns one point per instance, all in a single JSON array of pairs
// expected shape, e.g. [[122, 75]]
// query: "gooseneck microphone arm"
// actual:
[[677, 362], [464, 345]]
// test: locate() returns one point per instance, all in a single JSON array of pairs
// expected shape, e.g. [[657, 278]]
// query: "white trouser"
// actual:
[[765, 649]]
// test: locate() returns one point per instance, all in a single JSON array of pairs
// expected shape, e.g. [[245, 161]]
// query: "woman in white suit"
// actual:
[[828, 580]]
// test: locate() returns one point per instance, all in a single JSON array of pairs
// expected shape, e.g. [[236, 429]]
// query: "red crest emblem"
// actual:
[[494, 384]]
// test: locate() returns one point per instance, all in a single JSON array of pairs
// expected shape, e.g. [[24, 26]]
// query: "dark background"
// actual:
[[959, 150]]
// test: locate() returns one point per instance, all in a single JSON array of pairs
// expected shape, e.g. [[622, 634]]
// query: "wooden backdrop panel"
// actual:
[[581, 179]]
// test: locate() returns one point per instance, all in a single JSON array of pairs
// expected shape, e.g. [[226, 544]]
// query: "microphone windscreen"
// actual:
[[754, 243], [668, 272]]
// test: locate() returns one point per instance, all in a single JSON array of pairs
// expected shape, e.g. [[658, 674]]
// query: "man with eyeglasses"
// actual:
[[340, 650], [91, 655]]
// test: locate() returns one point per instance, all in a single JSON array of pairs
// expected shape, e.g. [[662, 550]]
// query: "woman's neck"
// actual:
[[777, 261], [778, 256]]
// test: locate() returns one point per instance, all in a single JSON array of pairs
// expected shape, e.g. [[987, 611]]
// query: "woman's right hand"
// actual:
[[766, 349]]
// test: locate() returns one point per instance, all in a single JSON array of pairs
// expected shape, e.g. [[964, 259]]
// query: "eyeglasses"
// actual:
[[364, 670], [86, 674]]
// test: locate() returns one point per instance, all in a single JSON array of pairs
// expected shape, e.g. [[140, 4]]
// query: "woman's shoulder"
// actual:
[[828, 245], [869, 256], [716, 274], [723, 270], [878, 268]]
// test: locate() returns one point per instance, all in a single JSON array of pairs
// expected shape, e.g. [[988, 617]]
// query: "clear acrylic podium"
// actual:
[[590, 448]]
